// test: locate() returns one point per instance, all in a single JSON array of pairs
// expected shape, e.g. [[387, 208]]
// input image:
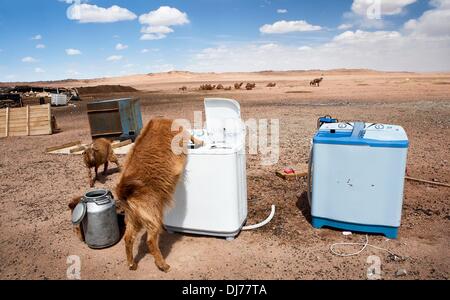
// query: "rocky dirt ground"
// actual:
[[36, 236]]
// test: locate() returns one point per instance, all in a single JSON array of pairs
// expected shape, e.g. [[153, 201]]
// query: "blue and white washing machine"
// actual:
[[357, 172]]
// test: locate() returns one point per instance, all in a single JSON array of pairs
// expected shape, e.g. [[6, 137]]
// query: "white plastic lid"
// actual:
[[221, 108], [222, 115]]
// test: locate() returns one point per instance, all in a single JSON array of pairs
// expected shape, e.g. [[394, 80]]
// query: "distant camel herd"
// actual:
[[238, 85]]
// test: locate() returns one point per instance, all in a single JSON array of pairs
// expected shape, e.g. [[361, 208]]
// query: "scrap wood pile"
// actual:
[[11, 100], [77, 148], [293, 173], [13, 97]]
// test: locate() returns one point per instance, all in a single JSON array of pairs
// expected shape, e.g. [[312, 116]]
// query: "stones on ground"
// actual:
[[401, 272]]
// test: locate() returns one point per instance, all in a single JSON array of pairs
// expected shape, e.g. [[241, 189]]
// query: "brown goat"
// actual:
[[271, 84], [148, 183], [99, 153], [220, 87]]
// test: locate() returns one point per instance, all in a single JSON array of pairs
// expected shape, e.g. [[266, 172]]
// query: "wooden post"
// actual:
[[7, 122], [427, 181], [50, 118], [28, 120], [72, 144], [77, 149], [121, 144]]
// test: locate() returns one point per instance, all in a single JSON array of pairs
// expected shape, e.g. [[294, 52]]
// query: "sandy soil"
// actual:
[[36, 235]]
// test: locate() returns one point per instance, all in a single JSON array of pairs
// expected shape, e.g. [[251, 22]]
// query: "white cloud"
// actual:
[[152, 37], [157, 29], [213, 53], [40, 46], [39, 70], [282, 11], [120, 46], [369, 14], [380, 50], [72, 52], [155, 32], [149, 50], [87, 13], [29, 59], [157, 23], [434, 22], [359, 36], [164, 16], [288, 26], [345, 26], [37, 37], [304, 48], [114, 58], [73, 1], [384, 7], [269, 46], [72, 72], [162, 68], [129, 66]]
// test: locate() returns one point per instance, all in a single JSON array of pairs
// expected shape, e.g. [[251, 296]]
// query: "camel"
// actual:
[[316, 82], [238, 86]]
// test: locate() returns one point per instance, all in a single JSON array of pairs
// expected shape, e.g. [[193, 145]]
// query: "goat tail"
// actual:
[[74, 202], [127, 187]]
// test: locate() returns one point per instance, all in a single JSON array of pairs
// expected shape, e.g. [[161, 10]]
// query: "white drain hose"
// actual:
[[269, 218]]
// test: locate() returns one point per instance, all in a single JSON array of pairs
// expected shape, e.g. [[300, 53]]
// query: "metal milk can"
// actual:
[[97, 214]]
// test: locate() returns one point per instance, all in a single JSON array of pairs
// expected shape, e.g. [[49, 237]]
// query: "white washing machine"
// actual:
[[358, 173], [211, 197]]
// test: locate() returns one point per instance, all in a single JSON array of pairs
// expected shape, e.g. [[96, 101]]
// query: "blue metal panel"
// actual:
[[125, 116], [389, 232], [138, 117], [347, 138], [130, 116]]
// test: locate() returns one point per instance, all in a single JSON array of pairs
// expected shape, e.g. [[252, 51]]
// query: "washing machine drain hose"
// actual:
[[269, 218]]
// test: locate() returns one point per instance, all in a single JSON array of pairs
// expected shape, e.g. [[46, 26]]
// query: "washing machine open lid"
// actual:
[[221, 108], [223, 117]]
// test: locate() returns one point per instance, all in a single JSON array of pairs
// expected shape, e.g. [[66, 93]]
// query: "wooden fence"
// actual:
[[26, 121]]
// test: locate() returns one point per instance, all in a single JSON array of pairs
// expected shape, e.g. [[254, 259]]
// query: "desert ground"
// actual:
[[36, 235]]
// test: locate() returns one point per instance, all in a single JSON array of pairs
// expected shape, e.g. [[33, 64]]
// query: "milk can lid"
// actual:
[[78, 213]]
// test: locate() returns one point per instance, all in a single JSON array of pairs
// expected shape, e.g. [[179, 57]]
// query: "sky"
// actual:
[[60, 39]]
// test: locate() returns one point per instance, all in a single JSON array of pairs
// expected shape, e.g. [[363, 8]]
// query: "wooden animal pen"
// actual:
[[115, 119], [26, 121]]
